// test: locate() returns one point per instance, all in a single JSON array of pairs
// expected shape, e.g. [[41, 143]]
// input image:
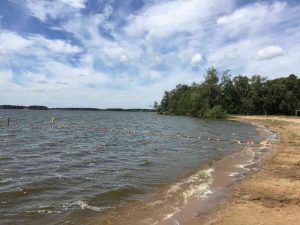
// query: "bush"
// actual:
[[216, 112]]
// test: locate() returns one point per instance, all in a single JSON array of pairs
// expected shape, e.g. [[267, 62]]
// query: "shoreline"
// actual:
[[228, 171], [219, 176], [270, 195]]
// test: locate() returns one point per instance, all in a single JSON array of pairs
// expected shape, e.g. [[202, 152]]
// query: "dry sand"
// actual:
[[272, 195]]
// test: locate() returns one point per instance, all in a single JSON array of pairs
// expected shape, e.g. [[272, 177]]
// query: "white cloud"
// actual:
[[156, 60], [251, 18], [7, 83], [197, 58], [56, 45], [11, 42], [1, 53], [5, 77], [278, 66], [231, 55], [124, 58], [270, 52], [53, 9], [251, 13], [166, 18], [108, 51], [78, 4]]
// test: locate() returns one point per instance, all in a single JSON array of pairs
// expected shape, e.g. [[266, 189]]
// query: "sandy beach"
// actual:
[[271, 195]]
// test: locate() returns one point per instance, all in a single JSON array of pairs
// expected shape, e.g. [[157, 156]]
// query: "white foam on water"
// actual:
[[84, 205], [250, 161], [154, 203], [233, 174], [168, 216], [244, 166], [59, 176], [43, 211], [5, 180], [205, 193], [90, 178], [197, 184], [177, 223], [199, 190]]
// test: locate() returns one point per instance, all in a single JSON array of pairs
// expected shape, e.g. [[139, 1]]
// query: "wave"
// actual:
[[197, 184], [146, 163], [114, 195], [33, 188], [85, 205], [5, 180]]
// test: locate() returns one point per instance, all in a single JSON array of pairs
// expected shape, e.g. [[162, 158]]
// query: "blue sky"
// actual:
[[125, 53]]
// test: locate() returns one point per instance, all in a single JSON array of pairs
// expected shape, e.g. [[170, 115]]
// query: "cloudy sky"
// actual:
[[125, 53]]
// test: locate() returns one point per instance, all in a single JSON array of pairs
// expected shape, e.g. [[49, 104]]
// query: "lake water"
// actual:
[[93, 164]]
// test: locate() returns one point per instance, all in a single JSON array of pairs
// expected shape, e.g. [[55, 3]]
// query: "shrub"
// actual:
[[216, 112]]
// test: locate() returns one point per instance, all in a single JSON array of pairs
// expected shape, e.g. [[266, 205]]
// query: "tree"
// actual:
[[242, 89], [211, 86], [257, 94], [227, 92], [155, 105], [240, 95], [164, 105]]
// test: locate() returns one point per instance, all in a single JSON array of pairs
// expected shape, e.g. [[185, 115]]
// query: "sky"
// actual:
[[126, 53]]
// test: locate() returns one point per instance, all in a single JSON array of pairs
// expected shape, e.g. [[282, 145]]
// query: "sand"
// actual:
[[270, 196]]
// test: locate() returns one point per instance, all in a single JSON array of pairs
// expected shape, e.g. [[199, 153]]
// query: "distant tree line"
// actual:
[[77, 109], [108, 109], [31, 107], [130, 110], [36, 107], [219, 95]]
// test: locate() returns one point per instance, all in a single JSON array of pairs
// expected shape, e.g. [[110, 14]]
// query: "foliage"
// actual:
[[218, 95], [216, 112]]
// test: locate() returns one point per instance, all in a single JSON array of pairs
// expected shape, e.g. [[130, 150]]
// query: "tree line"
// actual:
[[219, 95], [38, 107], [31, 107]]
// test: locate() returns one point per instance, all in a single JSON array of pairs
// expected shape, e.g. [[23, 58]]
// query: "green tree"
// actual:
[[240, 95], [164, 104], [257, 94], [155, 105], [242, 89], [211, 87], [227, 92]]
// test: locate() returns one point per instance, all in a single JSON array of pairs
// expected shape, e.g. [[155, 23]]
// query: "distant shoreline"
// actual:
[[38, 107]]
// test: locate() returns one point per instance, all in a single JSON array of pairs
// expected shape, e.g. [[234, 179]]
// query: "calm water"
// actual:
[[90, 163]]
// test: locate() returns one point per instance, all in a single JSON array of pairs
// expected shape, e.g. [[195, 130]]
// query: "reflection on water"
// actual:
[[94, 162]]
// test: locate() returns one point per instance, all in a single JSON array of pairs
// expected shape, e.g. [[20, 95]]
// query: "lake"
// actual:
[[94, 164]]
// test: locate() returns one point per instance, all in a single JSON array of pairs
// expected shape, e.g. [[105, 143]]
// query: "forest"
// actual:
[[220, 94]]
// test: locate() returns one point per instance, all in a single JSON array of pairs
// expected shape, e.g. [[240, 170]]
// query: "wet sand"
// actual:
[[268, 196]]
